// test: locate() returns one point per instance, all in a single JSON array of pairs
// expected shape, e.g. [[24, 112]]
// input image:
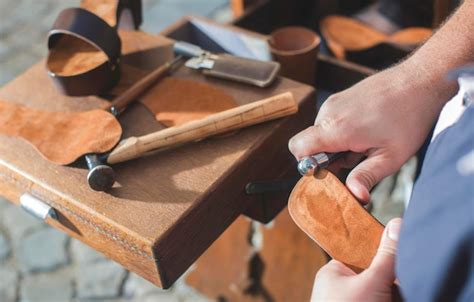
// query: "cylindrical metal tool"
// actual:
[[310, 164]]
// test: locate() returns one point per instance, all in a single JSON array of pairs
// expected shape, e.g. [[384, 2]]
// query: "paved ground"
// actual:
[[38, 263]]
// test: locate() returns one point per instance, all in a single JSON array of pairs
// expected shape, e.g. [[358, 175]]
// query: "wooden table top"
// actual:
[[166, 208]]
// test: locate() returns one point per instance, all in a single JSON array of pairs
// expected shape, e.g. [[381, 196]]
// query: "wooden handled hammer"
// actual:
[[236, 118], [100, 173]]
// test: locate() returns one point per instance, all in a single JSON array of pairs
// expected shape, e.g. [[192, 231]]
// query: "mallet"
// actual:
[[236, 118], [100, 175]]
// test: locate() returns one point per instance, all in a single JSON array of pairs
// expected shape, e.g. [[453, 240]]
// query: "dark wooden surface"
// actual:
[[332, 75], [166, 209]]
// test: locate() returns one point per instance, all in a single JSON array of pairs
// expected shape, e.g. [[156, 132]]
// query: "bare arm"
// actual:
[[388, 116], [451, 46]]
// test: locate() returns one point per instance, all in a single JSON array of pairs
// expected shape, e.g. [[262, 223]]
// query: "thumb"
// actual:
[[322, 137], [368, 173], [383, 264]]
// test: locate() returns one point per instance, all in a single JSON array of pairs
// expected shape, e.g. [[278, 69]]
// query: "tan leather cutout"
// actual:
[[177, 101], [346, 34], [61, 137], [411, 36], [71, 56], [327, 212]]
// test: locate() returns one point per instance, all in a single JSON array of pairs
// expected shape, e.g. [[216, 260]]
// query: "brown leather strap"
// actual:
[[88, 27]]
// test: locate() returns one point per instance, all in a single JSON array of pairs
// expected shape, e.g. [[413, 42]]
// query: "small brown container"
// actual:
[[296, 49]]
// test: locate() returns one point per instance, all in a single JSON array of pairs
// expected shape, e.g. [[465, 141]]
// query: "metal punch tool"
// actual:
[[310, 164]]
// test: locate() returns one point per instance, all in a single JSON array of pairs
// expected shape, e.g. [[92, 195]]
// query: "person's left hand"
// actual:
[[337, 282]]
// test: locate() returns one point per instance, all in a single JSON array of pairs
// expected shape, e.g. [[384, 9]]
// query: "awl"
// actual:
[[313, 163]]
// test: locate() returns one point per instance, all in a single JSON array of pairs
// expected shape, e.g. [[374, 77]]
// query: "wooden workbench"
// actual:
[[166, 209]]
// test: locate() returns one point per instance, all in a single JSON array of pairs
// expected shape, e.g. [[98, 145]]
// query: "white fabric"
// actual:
[[453, 109]]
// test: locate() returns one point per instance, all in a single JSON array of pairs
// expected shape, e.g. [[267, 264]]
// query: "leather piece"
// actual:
[[345, 35], [327, 212], [89, 27], [61, 137], [84, 53], [176, 101], [106, 9]]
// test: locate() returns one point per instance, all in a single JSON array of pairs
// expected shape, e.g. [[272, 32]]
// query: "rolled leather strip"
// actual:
[[88, 27]]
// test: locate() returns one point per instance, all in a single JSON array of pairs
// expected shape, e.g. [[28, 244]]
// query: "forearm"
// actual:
[[451, 46], [388, 116]]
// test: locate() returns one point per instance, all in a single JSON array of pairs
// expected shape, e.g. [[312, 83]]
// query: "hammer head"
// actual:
[[101, 178]]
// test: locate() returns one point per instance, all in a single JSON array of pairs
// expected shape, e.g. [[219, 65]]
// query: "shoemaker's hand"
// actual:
[[386, 117], [337, 282]]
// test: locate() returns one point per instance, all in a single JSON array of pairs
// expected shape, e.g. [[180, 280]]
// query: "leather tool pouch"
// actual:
[[243, 70], [88, 27], [248, 71]]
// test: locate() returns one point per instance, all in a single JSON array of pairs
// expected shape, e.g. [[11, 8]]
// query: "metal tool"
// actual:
[[228, 67], [310, 164], [101, 178]]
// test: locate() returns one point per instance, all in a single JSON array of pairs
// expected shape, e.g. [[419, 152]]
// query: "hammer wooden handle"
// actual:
[[130, 95], [232, 119]]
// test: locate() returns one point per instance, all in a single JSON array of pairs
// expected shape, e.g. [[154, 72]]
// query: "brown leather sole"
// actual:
[[328, 213]]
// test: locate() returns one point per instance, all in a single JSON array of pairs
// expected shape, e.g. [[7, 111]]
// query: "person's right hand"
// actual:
[[386, 117]]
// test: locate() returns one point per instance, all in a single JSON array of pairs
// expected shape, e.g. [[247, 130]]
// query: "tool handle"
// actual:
[[332, 157], [131, 94], [232, 119]]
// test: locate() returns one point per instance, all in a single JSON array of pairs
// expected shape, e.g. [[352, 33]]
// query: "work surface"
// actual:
[[167, 208]]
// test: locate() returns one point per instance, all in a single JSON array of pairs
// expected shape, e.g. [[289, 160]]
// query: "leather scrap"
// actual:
[[345, 35], [328, 213], [176, 101], [61, 137]]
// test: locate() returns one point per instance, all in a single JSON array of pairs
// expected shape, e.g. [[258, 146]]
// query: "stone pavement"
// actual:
[[38, 263]]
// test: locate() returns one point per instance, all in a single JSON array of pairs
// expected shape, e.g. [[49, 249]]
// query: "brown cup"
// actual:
[[296, 49]]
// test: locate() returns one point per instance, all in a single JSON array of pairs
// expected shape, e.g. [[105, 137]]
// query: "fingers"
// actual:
[[322, 137], [368, 173], [383, 264], [351, 160], [335, 268]]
